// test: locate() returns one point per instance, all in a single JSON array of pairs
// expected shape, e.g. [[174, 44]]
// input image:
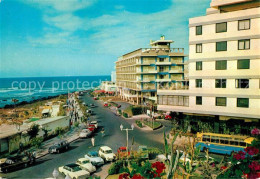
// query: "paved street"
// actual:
[[113, 138]]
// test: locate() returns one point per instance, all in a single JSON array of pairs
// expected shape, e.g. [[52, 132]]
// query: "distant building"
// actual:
[[140, 73], [224, 69], [113, 76], [108, 86]]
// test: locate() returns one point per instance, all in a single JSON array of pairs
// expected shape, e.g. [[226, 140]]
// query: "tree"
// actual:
[[33, 131]]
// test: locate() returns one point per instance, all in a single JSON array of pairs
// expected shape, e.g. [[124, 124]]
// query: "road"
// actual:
[[114, 138]]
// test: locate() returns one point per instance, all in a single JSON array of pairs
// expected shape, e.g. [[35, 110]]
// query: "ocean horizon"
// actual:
[[27, 89]]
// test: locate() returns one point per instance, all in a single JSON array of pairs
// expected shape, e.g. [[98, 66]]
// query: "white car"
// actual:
[[94, 158], [85, 164], [94, 123], [74, 171], [85, 133], [106, 153]]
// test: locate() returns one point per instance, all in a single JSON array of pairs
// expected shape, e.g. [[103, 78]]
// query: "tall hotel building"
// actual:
[[140, 73], [224, 70]]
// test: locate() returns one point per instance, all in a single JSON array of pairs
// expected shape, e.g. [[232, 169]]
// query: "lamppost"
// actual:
[[127, 129]]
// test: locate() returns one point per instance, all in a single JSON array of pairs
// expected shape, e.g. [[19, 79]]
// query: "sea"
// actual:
[[28, 89]]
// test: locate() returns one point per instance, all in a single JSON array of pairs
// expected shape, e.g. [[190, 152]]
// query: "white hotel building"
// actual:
[[224, 69]]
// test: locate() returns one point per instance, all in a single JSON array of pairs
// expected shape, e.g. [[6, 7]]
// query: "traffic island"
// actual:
[[151, 124]]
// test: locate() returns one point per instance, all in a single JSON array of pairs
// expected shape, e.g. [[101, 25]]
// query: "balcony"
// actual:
[[163, 63], [176, 71], [172, 86], [163, 80]]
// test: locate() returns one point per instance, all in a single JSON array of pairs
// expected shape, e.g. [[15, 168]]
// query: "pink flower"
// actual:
[[240, 155], [255, 131], [252, 150], [254, 166]]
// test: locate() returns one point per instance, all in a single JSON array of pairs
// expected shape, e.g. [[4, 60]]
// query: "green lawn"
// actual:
[[151, 124]]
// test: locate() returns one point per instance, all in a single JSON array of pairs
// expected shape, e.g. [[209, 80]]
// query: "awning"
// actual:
[[45, 111]]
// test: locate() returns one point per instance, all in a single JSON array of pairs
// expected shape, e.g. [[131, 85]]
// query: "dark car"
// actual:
[[92, 105], [59, 146], [13, 163]]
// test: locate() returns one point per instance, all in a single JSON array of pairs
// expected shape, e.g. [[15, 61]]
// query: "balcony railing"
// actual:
[[173, 50], [173, 86]]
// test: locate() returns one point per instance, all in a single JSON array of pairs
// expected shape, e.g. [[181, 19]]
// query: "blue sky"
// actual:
[[85, 37]]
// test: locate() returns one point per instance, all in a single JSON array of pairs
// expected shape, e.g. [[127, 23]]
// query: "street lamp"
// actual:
[[122, 128], [55, 173]]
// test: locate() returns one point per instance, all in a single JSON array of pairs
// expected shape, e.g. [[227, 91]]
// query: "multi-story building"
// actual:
[[224, 69], [141, 72]]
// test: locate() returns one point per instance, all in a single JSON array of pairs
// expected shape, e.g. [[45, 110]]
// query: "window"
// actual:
[[161, 59], [244, 44], [221, 46], [206, 138], [199, 30], [242, 83], [214, 139], [243, 64], [220, 83], [161, 68], [221, 65], [221, 27], [221, 101], [198, 83], [198, 48], [243, 102], [244, 24], [198, 65], [199, 100]]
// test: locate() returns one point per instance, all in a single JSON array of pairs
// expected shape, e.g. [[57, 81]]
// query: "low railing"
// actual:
[[173, 50]]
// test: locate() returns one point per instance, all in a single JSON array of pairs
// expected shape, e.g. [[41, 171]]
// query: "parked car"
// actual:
[[106, 153], [119, 106], [94, 158], [143, 151], [59, 146], [85, 164], [95, 123], [85, 133], [91, 127], [13, 163], [74, 171], [122, 152], [92, 105], [105, 104]]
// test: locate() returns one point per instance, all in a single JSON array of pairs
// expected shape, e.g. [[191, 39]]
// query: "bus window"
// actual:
[[223, 141], [243, 144], [232, 142], [214, 139], [206, 138]]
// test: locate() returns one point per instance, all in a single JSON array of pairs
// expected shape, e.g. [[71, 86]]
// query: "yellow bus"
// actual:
[[222, 143]]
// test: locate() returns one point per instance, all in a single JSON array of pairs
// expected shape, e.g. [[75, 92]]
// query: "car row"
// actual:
[[59, 146], [83, 167]]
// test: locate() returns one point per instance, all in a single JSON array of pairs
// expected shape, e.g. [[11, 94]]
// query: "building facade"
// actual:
[[140, 73], [224, 69]]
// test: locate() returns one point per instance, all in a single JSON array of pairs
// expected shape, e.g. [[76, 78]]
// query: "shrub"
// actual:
[[124, 170], [125, 115], [36, 142], [139, 123], [115, 167], [76, 124]]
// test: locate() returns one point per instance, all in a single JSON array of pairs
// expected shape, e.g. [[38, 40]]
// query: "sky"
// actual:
[[41, 38]]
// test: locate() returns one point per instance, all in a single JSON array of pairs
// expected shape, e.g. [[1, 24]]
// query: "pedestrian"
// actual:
[[103, 132], [93, 141]]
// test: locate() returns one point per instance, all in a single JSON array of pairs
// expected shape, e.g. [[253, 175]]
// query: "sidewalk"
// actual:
[[70, 136]]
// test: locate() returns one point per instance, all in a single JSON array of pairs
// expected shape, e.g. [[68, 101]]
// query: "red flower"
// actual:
[[252, 150], [254, 166], [255, 131], [240, 155], [223, 168], [137, 176], [159, 167], [124, 176]]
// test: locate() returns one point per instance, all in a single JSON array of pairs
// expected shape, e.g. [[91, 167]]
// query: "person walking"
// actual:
[[103, 132], [93, 141]]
